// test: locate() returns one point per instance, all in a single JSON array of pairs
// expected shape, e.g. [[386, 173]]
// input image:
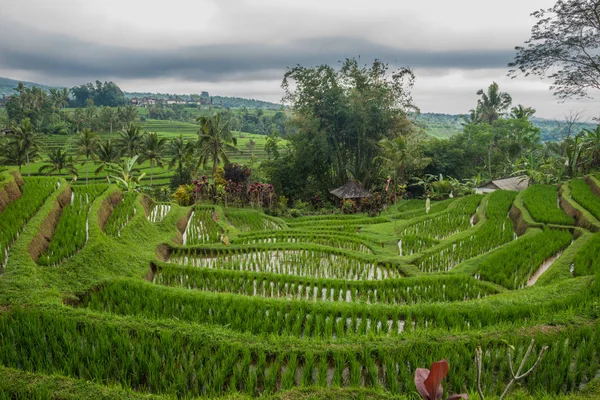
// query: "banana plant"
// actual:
[[124, 175]]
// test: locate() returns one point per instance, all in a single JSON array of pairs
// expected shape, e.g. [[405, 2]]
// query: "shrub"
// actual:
[[349, 207]]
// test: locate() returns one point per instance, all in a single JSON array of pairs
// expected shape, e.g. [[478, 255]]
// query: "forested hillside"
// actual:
[[447, 125]]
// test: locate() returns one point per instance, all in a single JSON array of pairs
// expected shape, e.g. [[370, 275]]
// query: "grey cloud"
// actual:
[[62, 56]]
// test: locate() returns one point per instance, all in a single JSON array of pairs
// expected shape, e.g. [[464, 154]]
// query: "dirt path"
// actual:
[[543, 269]]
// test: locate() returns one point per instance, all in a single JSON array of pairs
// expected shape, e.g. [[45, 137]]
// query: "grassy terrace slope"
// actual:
[[150, 302]]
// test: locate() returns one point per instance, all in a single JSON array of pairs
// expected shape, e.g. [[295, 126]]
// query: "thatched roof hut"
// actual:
[[351, 190], [516, 183]]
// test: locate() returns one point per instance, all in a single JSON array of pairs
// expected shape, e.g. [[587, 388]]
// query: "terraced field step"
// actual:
[[427, 289], [297, 261], [331, 320]]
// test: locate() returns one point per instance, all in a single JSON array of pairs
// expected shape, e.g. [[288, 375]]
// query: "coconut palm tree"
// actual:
[[492, 103], [521, 111], [181, 153], [109, 116], [13, 153], [152, 149], [28, 140], [57, 160], [78, 118], [87, 142], [128, 114], [214, 138], [107, 153], [130, 140]]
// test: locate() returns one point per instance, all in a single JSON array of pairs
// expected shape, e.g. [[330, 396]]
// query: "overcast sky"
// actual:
[[242, 48]]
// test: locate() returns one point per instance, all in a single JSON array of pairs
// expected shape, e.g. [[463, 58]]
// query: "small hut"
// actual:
[[352, 190], [516, 183]]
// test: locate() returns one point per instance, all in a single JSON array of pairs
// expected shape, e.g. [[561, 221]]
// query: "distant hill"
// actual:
[[7, 87], [447, 125]]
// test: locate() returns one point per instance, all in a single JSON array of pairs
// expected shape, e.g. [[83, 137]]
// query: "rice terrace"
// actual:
[[359, 230]]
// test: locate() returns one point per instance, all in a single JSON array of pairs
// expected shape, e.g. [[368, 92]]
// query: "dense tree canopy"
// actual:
[[340, 116], [564, 47], [100, 94]]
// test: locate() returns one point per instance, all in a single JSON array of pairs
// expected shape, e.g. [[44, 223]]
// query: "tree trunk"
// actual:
[[28, 166], [86, 170], [151, 172]]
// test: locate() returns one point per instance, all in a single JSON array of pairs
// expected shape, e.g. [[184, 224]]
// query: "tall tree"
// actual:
[[214, 139], [109, 117], [57, 160], [28, 140], [521, 111], [13, 153], [152, 149], [341, 115], [564, 46], [130, 140], [107, 153], [87, 143], [181, 151], [493, 103]]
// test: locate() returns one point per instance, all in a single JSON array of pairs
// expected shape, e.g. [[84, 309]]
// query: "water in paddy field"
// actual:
[[159, 212]]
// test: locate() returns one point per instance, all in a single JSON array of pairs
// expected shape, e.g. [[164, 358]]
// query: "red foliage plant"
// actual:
[[429, 382]]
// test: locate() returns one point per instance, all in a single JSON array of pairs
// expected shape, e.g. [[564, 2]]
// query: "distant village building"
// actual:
[[143, 102], [516, 183]]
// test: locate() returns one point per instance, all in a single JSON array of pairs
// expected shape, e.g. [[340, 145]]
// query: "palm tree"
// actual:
[[181, 153], [492, 103], [29, 141], [474, 117], [57, 160], [78, 118], [124, 174], [107, 153], [128, 114], [13, 153], [521, 111], [87, 142], [90, 116], [214, 138], [109, 116], [152, 149], [130, 140]]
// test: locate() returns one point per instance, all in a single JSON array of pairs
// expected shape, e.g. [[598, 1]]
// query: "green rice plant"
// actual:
[[582, 194], [494, 232], [202, 227], [15, 215], [248, 220], [587, 260], [159, 212], [332, 321], [72, 230], [542, 203], [391, 291], [121, 214], [514, 264], [337, 240], [442, 225], [316, 263]]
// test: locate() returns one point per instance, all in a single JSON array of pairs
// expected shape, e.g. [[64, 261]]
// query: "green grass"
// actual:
[[583, 194], [542, 203]]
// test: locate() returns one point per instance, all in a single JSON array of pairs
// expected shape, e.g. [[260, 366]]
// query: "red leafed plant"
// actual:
[[429, 383]]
